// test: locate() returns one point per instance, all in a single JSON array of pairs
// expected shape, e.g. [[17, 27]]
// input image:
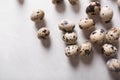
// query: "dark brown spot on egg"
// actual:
[[77, 50], [107, 21], [93, 32], [66, 40], [38, 12], [58, 1], [80, 27], [68, 52], [117, 38], [90, 9], [74, 37], [87, 52], [112, 48], [80, 51], [46, 34], [111, 35], [98, 4], [102, 31], [65, 22], [44, 30]]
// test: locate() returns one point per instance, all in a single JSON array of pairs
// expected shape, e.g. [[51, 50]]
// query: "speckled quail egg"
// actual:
[[71, 50], [85, 49], [70, 38], [112, 35], [109, 50], [43, 33], [37, 15], [93, 8], [97, 36], [106, 14], [86, 23], [113, 65], [66, 25]]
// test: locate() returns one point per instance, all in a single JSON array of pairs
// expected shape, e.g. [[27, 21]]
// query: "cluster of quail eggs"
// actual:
[[69, 37], [37, 16], [105, 12], [98, 36]]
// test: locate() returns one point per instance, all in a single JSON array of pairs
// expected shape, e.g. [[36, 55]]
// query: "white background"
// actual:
[[24, 57]]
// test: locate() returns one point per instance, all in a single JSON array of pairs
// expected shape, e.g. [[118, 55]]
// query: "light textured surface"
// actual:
[[24, 57]]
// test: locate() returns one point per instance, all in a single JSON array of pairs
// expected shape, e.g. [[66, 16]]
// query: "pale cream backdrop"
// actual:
[[24, 57]]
